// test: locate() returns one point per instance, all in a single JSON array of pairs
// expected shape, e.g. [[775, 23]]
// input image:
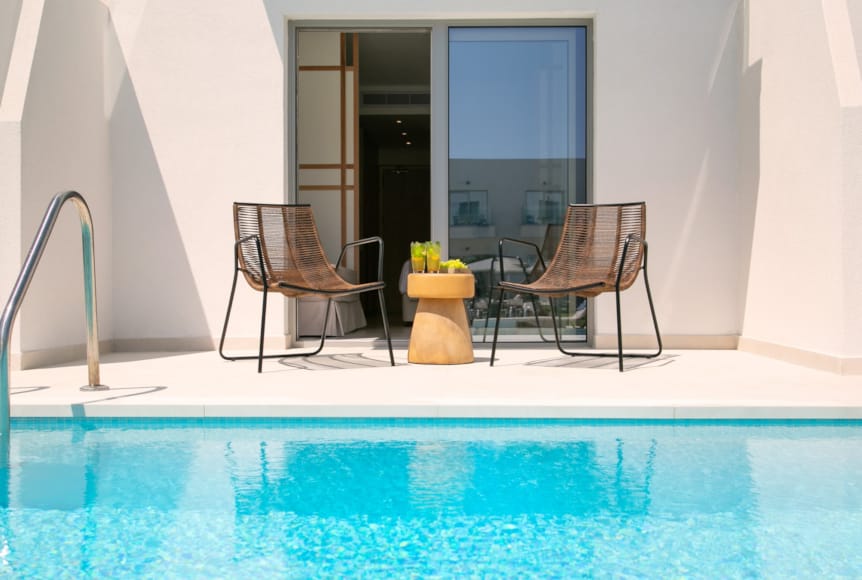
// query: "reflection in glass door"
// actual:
[[517, 156]]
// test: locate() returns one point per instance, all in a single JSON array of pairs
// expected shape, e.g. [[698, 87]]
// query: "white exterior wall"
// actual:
[[717, 114], [195, 106], [18, 41], [9, 11], [666, 133], [804, 285], [197, 122], [62, 145]]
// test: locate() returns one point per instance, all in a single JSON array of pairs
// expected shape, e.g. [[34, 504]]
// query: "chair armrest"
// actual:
[[631, 238], [522, 243], [362, 242], [261, 265]]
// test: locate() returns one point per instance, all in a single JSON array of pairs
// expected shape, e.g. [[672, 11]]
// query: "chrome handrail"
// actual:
[[23, 282]]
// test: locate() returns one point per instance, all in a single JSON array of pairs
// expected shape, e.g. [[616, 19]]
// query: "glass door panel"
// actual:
[[517, 156]]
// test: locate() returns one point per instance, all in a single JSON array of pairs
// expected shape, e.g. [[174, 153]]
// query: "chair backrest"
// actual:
[[290, 244], [591, 246], [549, 247]]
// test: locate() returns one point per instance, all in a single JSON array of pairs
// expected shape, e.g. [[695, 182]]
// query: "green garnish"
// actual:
[[454, 263]]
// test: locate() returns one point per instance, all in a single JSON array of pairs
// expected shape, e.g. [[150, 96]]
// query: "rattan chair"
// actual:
[[602, 248], [278, 249]]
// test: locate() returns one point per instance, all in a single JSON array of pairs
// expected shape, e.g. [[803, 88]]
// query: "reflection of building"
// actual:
[[468, 208], [544, 207], [511, 197]]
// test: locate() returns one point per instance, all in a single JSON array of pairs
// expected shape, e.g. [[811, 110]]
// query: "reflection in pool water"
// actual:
[[431, 498]]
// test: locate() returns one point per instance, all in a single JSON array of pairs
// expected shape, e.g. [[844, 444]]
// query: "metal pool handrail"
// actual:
[[23, 282]]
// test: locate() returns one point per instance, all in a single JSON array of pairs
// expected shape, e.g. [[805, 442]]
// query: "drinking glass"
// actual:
[[432, 256], [417, 257]]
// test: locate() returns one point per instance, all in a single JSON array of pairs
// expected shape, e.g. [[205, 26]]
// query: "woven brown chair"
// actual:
[[602, 248], [278, 249]]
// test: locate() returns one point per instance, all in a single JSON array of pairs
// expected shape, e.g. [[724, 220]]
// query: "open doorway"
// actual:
[[395, 153], [363, 149]]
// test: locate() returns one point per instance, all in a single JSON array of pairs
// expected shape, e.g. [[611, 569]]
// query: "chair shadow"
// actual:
[[329, 362], [603, 363]]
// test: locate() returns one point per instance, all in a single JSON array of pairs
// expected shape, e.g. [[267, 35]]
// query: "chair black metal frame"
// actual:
[[535, 272], [315, 276], [606, 272]]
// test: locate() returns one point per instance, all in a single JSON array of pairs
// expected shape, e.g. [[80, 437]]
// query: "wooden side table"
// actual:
[[440, 334]]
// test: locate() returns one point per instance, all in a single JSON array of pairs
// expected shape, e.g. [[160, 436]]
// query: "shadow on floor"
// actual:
[[602, 362], [328, 362]]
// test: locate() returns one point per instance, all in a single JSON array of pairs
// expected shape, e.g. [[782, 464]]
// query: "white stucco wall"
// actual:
[[23, 31], [197, 122], [193, 117], [852, 188], [9, 11], [10, 224], [803, 285], [665, 130], [64, 146], [666, 133], [717, 114]]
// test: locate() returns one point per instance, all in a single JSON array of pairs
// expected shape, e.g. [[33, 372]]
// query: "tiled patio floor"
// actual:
[[356, 381]]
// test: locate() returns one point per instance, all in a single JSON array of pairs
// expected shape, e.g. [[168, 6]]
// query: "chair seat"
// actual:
[[347, 315], [586, 288]]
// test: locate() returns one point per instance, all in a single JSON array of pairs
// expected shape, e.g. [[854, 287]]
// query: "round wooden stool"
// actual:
[[440, 334]]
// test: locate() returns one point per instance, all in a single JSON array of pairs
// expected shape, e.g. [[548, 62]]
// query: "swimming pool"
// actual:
[[447, 498]]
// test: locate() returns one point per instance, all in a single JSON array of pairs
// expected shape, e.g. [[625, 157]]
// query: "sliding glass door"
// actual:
[[517, 157]]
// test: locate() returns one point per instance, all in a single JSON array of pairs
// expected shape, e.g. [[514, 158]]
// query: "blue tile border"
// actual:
[[51, 423]]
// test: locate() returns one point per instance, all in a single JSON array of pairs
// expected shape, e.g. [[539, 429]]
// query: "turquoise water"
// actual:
[[431, 499]]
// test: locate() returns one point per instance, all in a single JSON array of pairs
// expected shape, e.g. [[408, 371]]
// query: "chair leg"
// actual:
[[262, 332], [260, 356], [652, 311], [536, 316], [385, 318], [497, 325], [227, 317], [322, 332], [620, 355], [558, 334], [619, 329]]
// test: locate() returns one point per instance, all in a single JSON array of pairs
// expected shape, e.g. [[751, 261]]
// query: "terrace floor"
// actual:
[[355, 380]]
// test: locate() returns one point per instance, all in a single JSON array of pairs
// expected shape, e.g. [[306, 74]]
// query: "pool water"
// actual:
[[431, 499]]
